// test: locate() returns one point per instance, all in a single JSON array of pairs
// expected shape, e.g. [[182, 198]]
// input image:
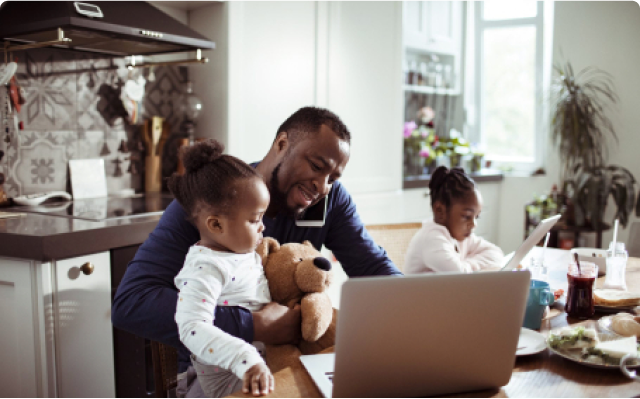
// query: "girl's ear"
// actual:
[[214, 224], [439, 210]]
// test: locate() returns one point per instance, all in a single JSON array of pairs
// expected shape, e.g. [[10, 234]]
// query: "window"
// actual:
[[508, 70]]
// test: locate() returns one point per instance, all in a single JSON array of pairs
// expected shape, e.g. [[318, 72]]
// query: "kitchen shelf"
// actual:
[[482, 176], [430, 90]]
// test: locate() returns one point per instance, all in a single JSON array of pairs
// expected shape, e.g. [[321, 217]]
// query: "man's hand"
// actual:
[[276, 324], [258, 380]]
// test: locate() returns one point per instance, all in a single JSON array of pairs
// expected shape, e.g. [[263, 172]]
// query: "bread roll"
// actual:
[[625, 324], [608, 297]]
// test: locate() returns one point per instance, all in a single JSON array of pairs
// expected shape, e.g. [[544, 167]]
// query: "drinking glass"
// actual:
[[616, 267], [580, 301], [539, 270]]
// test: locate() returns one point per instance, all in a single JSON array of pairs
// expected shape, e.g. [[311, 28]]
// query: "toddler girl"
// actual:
[[225, 199], [447, 243]]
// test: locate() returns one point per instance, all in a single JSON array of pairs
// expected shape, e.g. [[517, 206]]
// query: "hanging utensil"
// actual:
[[7, 71]]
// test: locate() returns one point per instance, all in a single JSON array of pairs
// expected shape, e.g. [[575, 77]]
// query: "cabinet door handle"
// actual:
[[87, 268]]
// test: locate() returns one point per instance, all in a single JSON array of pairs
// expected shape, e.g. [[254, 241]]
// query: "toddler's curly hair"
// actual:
[[210, 178]]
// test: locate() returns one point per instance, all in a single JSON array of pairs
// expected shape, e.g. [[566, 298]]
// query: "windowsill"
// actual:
[[483, 176]]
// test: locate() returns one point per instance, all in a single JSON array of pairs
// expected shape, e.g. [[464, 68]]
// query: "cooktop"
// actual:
[[103, 208]]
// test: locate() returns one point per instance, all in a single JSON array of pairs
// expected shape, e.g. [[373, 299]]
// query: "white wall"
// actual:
[[211, 80], [275, 57], [606, 35]]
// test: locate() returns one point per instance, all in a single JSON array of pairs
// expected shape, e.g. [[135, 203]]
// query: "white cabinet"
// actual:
[[84, 339], [19, 336], [56, 334], [433, 26]]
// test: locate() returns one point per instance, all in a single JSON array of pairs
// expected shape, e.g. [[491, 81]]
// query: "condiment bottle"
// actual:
[[616, 267]]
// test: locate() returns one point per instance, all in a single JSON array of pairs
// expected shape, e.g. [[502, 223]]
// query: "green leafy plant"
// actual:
[[580, 127], [591, 188]]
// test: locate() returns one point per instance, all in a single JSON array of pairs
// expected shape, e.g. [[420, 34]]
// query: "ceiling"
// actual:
[[184, 5]]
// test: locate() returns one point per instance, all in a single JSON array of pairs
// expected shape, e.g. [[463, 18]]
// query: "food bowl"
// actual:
[[595, 255]]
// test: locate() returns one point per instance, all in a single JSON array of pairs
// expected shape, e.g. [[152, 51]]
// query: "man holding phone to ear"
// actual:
[[301, 170]]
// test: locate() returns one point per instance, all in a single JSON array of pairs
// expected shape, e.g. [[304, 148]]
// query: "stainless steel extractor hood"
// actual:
[[119, 28]]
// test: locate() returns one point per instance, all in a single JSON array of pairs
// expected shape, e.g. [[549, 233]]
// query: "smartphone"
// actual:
[[314, 215]]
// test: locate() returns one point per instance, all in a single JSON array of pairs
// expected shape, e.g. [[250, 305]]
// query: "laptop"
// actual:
[[511, 263], [423, 335]]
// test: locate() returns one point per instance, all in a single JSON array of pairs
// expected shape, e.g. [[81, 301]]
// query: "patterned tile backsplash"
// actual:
[[73, 111]]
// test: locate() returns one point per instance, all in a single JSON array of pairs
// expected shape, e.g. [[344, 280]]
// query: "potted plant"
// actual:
[[580, 128]]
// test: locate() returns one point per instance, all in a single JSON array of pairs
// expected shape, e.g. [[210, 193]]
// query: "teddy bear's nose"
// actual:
[[322, 263]]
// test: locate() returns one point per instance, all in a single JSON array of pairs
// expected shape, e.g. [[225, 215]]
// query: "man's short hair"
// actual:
[[307, 121]]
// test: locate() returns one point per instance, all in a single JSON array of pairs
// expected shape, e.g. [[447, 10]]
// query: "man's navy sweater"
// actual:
[[145, 302]]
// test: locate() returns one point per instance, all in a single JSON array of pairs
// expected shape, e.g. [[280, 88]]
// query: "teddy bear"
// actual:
[[299, 274]]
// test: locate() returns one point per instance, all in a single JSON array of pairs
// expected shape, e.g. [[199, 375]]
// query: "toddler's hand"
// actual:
[[258, 379]]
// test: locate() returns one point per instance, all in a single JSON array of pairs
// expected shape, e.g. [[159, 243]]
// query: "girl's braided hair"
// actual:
[[210, 178], [447, 184]]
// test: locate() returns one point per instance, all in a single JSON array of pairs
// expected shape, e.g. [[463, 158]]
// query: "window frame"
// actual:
[[542, 22]]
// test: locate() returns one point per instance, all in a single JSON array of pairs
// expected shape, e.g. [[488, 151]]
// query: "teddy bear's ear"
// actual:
[[308, 243], [267, 247]]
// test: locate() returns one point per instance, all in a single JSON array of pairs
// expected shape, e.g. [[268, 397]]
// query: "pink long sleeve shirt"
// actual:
[[432, 249]]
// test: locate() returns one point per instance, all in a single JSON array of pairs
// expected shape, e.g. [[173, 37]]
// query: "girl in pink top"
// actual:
[[447, 243]]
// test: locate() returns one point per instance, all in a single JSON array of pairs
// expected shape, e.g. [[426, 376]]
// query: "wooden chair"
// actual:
[[165, 368], [394, 238], [634, 240]]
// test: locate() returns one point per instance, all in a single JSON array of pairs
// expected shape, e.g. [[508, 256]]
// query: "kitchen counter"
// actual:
[[44, 237]]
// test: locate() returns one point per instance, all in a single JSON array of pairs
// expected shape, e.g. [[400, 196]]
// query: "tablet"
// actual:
[[543, 227]]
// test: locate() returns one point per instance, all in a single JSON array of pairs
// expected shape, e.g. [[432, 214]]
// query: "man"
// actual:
[[307, 157]]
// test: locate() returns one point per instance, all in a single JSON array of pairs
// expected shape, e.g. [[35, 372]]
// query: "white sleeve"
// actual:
[[200, 285], [481, 254], [440, 255]]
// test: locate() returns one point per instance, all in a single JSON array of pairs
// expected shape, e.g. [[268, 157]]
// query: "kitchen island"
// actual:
[[58, 275]]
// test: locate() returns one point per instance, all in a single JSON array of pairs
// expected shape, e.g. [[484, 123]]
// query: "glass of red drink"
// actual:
[[580, 293]]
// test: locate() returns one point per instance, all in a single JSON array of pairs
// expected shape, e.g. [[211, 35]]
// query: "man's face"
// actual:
[[307, 171]]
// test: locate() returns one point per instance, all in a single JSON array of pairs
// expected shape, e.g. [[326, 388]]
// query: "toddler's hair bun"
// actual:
[[198, 155]]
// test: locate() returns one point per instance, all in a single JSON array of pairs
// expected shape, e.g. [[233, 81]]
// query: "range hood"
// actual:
[[117, 28]]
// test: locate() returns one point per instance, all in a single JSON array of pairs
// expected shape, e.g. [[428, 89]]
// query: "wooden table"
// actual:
[[541, 375]]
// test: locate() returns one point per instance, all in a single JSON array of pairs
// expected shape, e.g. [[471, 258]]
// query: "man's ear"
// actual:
[[215, 224], [281, 144]]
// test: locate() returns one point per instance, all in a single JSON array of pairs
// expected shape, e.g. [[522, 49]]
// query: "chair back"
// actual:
[[165, 368], [633, 246], [394, 238]]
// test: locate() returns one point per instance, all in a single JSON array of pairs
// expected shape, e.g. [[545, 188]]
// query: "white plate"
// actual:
[[576, 354], [530, 342]]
